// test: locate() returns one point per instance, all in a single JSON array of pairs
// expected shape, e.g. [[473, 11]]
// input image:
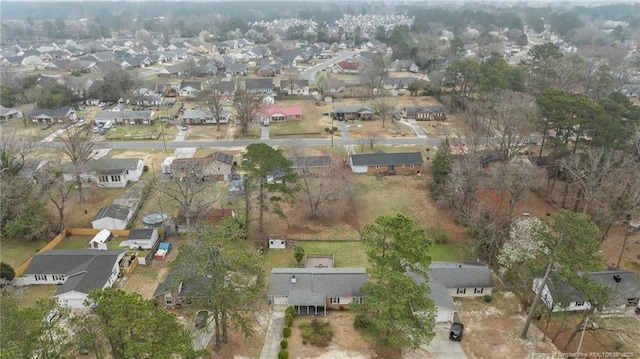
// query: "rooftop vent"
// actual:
[[293, 279], [617, 278]]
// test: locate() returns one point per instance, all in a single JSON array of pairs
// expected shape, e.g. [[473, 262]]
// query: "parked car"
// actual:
[[457, 329], [184, 128], [45, 126], [102, 131], [201, 319], [53, 315]]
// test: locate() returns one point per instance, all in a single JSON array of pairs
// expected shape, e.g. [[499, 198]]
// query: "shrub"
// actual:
[[283, 354], [488, 298], [334, 129], [327, 129], [290, 310], [286, 332], [288, 319], [7, 272], [284, 344], [317, 332], [361, 322], [440, 235]]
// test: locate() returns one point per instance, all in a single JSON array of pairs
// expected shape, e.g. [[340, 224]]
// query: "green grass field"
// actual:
[[16, 252]]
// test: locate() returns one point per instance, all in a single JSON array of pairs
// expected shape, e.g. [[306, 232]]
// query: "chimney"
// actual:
[[617, 278], [293, 279]]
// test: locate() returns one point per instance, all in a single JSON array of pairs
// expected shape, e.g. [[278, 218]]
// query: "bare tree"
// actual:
[[58, 192], [77, 144], [323, 184], [596, 174], [385, 106], [371, 139], [509, 116], [622, 200], [464, 182], [215, 104], [191, 190], [571, 71], [13, 152], [243, 106], [373, 73], [191, 66], [513, 178]]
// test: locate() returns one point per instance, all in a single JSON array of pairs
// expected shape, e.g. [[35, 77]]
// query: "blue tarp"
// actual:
[[164, 245]]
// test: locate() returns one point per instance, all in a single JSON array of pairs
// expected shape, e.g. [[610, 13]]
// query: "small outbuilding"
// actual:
[[141, 238], [100, 240]]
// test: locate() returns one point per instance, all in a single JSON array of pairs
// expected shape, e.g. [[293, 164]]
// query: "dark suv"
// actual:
[[456, 331]]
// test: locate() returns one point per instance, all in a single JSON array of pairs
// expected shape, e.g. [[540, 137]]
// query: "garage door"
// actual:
[[444, 315], [280, 300]]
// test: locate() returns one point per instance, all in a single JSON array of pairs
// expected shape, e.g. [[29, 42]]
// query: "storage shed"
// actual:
[[100, 240]]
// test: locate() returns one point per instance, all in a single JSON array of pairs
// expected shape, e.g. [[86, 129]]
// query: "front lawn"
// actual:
[[138, 132], [31, 293]]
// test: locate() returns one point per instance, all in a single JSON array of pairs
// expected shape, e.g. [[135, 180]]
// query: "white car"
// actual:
[[184, 128], [102, 104], [53, 315]]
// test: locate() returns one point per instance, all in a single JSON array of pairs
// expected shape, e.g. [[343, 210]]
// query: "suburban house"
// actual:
[[107, 171], [141, 238], [197, 116], [114, 216], [347, 67], [404, 66], [62, 115], [260, 86], [7, 114], [424, 113], [274, 113], [313, 291], [76, 272], [296, 87], [124, 117], [226, 88], [174, 293], [401, 163], [448, 280], [623, 287], [217, 165], [397, 83], [343, 113], [335, 86], [311, 165], [189, 88]]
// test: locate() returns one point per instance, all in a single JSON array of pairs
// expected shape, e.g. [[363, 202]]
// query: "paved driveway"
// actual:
[[443, 348]]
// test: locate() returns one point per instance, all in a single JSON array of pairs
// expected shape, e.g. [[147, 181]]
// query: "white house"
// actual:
[[76, 272], [623, 287], [100, 240], [114, 216], [141, 238], [107, 172]]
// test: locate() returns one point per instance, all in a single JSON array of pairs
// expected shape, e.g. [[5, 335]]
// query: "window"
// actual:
[[334, 300], [478, 290], [461, 290], [115, 178], [377, 166], [411, 166], [58, 277], [403, 166], [358, 300], [103, 179], [579, 304]]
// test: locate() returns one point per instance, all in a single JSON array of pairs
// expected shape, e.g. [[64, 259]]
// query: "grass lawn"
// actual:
[[253, 133], [306, 128], [345, 254], [451, 252], [31, 294], [74, 242], [16, 252], [136, 132]]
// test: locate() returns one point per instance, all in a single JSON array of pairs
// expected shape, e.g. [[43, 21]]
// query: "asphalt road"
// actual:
[[310, 73]]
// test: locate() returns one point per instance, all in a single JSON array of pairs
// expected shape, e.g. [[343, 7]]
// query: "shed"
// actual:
[[115, 216], [141, 238], [100, 240], [163, 250]]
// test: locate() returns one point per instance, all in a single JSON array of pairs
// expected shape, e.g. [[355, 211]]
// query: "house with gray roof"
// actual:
[[114, 216], [107, 171], [623, 287], [260, 86], [397, 83], [448, 280], [7, 114], [401, 163], [218, 165], [76, 272], [190, 88], [361, 112], [141, 238], [122, 117], [63, 114], [424, 113], [313, 291], [176, 293]]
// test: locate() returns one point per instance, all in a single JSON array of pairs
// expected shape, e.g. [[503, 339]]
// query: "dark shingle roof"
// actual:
[[116, 211], [106, 165], [461, 274], [311, 283], [85, 269], [259, 84], [375, 159], [627, 288], [437, 291], [140, 233]]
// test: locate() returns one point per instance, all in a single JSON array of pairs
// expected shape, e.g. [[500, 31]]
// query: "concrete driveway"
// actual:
[[443, 348]]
